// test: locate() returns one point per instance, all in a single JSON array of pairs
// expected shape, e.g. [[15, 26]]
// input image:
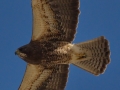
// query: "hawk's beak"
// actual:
[[21, 55], [16, 52]]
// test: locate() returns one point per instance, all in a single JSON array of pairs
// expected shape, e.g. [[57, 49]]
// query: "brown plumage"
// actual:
[[97, 53], [39, 78], [50, 50]]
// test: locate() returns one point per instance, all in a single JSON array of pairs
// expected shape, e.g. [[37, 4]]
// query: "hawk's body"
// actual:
[[50, 50]]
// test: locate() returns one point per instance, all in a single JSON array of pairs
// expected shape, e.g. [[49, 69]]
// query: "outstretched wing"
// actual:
[[54, 19], [39, 78]]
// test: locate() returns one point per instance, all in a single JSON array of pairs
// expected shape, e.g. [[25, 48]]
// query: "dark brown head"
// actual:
[[30, 53]]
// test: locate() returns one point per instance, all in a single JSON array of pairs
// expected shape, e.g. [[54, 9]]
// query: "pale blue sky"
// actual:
[[98, 17]]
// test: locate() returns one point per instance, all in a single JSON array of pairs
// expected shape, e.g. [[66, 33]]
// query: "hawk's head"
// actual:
[[30, 54], [22, 52]]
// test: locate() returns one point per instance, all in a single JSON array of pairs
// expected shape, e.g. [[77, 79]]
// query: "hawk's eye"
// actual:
[[22, 49]]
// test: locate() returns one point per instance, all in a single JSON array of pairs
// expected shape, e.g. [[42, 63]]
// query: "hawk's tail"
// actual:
[[94, 55]]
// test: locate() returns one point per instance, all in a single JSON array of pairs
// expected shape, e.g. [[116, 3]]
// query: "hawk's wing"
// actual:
[[54, 19], [39, 78]]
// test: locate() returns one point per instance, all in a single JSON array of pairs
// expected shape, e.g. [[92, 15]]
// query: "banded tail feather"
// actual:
[[96, 55]]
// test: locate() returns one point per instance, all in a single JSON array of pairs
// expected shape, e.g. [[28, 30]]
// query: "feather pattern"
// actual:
[[97, 55], [54, 19], [38, 77]]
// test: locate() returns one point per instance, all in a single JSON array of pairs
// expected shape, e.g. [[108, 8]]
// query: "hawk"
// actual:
[[50, 50]]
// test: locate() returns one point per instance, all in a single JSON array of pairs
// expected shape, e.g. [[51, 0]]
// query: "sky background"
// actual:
[[98, 17]]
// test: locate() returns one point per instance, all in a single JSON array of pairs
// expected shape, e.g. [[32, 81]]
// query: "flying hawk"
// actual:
[[50, 50]]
